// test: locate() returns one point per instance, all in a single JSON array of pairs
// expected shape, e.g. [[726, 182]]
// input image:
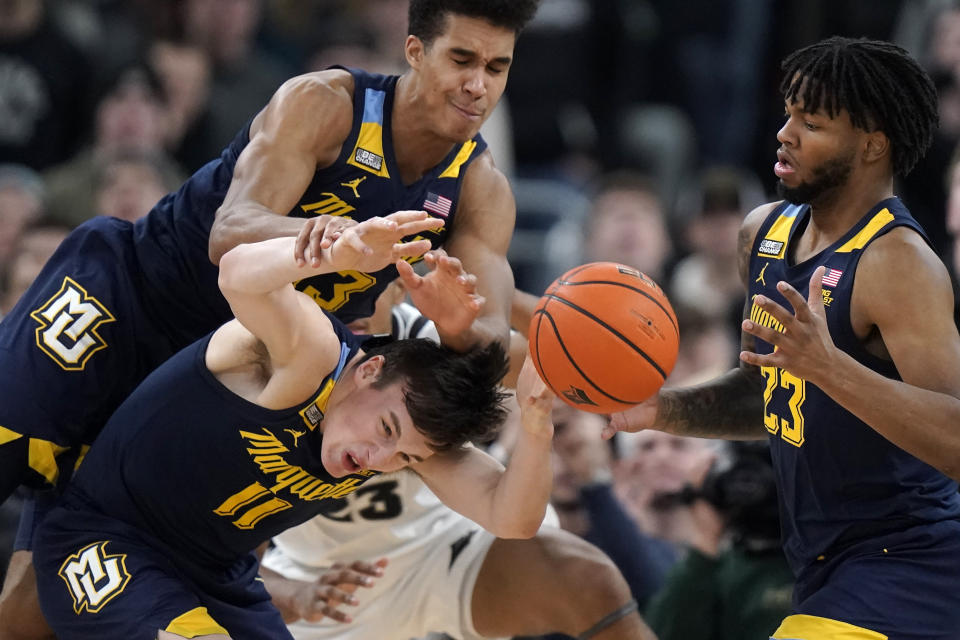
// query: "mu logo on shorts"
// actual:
[[94, 577], [68, 326]]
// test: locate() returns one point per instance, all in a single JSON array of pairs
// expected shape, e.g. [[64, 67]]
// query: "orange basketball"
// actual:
[[604, 337]]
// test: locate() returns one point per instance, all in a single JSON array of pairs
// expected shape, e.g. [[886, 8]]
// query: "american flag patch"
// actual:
[[832, 277], [437, 204]]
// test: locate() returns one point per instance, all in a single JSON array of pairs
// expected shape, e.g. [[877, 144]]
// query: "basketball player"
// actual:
[[262, 425], [851, 360], [444, 572], [336, 147]]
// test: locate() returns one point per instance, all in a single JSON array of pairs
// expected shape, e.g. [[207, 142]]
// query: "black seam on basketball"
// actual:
[[626, 340], [556, 333], [666, 311]]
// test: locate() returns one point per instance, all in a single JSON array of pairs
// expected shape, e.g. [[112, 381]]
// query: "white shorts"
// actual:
[[421, 591]]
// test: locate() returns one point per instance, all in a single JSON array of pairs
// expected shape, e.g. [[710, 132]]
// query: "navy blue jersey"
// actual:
[[203, 470], [365, 182], [839, 480], [117, 300]]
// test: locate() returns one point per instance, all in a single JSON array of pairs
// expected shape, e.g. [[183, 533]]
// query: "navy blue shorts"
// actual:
[[902, 585], [100, 578], [75, 345]]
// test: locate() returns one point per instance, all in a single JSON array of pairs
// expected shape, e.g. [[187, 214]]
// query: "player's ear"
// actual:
[[369, 370], [414, 50], [877, 146]]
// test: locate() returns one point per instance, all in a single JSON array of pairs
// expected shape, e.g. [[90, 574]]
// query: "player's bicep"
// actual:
[[300, 129], [906, 293], [465, 480], [486, 215]]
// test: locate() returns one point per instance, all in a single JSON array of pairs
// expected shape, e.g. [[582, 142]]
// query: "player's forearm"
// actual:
[[262, 267], [484, 330], [521, 495], [923, 423], [282, 593], [729, 406], [248, 223]]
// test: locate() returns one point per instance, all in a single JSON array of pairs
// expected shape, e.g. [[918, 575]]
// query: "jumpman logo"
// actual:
[[760, 277], [353, 184], [296, 435]]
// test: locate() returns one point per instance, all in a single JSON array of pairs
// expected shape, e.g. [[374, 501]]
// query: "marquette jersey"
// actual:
[[243, 472], [839, 480], [117, 300]]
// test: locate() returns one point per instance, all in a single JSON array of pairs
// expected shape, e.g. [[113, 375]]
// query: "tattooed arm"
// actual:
[[729, 406]]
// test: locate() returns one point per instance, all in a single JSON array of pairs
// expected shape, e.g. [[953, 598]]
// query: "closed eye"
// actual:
[[386, 428]]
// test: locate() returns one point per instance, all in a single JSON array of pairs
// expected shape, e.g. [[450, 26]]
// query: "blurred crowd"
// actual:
[[638, 131]]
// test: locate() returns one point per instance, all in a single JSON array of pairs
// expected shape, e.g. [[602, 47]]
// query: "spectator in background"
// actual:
[[130, 118], [707, 279], [184, 73], [245, 75], [129, 184], [654, 466], [587, 506], [744, 588], [627, 224], [21, 204], [43, 87]]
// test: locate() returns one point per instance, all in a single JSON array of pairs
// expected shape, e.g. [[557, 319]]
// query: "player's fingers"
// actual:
[[797, 301], [815, 295], [410, 249], [766, 334], [410, 215], [451, 265], [321, 610], [417, 226], [369, 568], [779, 313], [768, 360], [302, 242]]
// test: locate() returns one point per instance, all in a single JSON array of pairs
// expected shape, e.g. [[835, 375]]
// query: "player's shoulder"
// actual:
[[329, 88], [484, 180], [902, 250], [753, 220]]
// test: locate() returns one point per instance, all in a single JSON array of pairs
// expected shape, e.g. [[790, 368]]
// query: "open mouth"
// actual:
[[350, 462], [783, 167]]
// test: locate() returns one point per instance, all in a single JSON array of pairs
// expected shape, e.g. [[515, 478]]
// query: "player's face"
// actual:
[[462, 73], [371, 430], [816, 154]]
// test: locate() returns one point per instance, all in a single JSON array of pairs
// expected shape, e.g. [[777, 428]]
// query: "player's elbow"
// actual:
[[521, 526], [222, 234], [231, 266]]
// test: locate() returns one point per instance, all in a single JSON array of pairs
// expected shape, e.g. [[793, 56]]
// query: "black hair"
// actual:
[[877, 83], [427, 18], [453, 398]]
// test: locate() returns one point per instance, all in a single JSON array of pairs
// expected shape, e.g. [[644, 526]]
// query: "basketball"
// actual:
[[604, 337]]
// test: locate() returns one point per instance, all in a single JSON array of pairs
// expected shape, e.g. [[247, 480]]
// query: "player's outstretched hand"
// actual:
[[804, 348], [536, 401], [375, 243], [317, 234], [642, 416], [447, 295], [324, 597]]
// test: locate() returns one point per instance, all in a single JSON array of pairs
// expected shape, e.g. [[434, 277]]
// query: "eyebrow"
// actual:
[[396, 427], [472, 54]]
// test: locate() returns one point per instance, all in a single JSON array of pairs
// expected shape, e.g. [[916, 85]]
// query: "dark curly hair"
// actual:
[[453, 398], [877, 83], [427, 17]]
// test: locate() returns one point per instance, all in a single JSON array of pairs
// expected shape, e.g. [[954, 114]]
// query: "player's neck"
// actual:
[[837, 212], [417, 148]]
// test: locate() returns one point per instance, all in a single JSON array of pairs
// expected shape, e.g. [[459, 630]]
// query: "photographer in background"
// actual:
[[742, 587]]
